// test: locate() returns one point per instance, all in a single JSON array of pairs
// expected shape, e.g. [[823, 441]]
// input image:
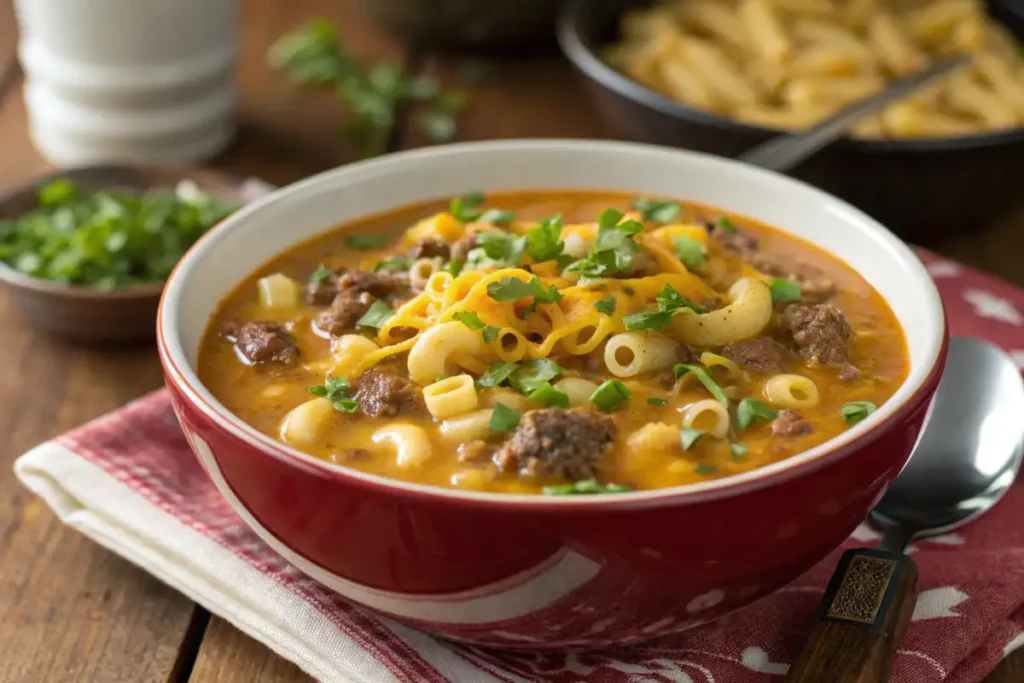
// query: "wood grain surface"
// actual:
[[70, 610]]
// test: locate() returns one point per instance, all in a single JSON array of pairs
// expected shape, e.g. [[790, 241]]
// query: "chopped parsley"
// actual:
[[499, 247], [738, 451], [497, 217], [657, 210], [606, 305], [549, 396], [321, 274], [856, 411], [784, 290], [368, 241], [491, 333], [504, 419], [469, 319], [466, 208], [613, 250], [543, 243], [514, 289], [375, 318], [669, 303], [705, 378], [338, 392], [691, 252], [671, 300], [660, 402], [610, 395], [688, 437], [585, 487], [750, 409], [496, 375], [392, 263]]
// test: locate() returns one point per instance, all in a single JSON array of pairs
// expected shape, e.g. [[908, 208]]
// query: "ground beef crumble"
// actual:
[[431, 247], [384, 394], [557, 442], [760, 354], [820, 332], [790, 423], [262, 342]]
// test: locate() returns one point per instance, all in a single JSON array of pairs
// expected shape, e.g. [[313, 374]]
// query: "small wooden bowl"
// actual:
[[84, 313]]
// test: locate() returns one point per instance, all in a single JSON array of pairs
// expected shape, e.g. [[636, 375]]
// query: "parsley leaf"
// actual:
[[375, 318], [466, 208], [496, 375], [610, 395], [657, 210], [543, 243], [501, 246], [392, 263], [549, 396], [669, 299], [504, 419], [337, 391], [688, 437], [705, 378], [613, 250], [749, 409], [514, 289], [647, 320], [606, 306], [856, 411], [585, 487], [455, 266], [469, 319], [368, 241], [691, 252], [724, 223], [784, 290]]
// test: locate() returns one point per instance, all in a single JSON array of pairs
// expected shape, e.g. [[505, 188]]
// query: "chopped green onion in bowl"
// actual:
[[107, 239]]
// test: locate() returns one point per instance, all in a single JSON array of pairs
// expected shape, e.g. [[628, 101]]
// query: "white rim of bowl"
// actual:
[[186, 380]]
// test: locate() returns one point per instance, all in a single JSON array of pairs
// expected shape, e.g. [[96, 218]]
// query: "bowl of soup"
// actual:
[[551, 394]]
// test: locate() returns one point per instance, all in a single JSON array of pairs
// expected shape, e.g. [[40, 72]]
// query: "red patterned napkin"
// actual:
[[129, 481]]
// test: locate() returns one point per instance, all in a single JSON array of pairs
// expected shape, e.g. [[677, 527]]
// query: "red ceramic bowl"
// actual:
[[534, 572]]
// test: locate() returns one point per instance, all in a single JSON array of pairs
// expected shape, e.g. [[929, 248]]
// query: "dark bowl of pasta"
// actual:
[[724, 77], [464, 388]]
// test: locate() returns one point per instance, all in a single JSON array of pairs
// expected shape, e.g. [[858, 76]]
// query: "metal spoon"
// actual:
[[965, 461], [785, 152]]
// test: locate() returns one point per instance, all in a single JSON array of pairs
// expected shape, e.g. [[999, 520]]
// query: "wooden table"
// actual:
[[70, 610]]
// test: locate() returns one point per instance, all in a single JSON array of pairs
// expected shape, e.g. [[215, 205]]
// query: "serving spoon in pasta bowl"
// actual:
[[786, 152], [967, 458]]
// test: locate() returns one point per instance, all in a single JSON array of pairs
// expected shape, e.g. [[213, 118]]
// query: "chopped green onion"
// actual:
[[496, 374], [705, 378], [688, 437], [491, 333], [504, 419], [375, 318], [584, 487], [533, 374], [660, 402], [690, 252], [785, 290], [549, 396], [606, 306], [469, 319], [610, 395], [704, 468], [738, 451], [724, 223], [368, 241], [455, 266], [749, 409], [392, 263], [856, 411]]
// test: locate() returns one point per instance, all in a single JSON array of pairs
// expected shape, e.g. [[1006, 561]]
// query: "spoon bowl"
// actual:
[[970, 450]]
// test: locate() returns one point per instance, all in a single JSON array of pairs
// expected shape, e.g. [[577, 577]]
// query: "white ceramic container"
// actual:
[[129, 80]]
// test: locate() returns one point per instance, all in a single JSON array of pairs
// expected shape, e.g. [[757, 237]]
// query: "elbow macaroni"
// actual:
[[791, 391], [430, 354], [630, 353], [451, 396], [708, 416], [410, 443], [745, 317], [306, 422]]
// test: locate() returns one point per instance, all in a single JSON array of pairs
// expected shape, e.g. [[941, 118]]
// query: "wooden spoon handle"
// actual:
[[861, 620]]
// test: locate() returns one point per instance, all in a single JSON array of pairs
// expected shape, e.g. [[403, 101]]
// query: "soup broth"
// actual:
[[557, 342]]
